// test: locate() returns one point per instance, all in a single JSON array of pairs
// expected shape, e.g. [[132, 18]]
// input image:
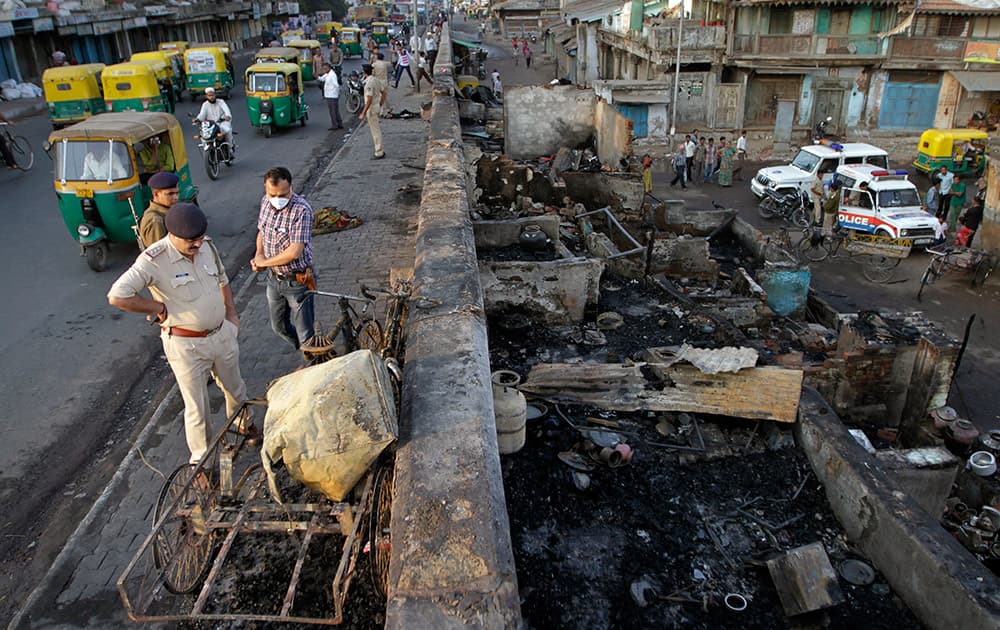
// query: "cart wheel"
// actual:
[[383, 491], [180, 548], [369, 335], [97, 256], [814, 246], [983, 270], [880, 268], [253, 476]]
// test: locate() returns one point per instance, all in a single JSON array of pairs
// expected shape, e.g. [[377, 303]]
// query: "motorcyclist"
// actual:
[[215, 109]]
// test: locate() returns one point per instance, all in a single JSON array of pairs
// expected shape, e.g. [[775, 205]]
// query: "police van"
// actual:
[[816, 158], [889, 206]]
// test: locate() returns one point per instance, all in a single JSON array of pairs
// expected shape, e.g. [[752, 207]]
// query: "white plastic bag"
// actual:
[[329, 423], [10, 94]]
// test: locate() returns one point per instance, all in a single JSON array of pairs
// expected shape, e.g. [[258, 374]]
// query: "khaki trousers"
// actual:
[[373, 124], [192, 359]]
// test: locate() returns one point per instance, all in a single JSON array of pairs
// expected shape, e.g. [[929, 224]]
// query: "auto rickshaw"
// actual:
[[100, 176], [168, 72], [306, 48], [274, 96], [207, 67], [350, 41], [137, 87], [73, 93], [275, 54], [380, 32], [179, 46], [226, 52], [325, 31], [963, 151], [290, 36]]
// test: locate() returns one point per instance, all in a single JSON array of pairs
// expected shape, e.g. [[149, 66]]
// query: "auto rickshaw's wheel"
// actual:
[[266, 129], [378, 531], [183, 547], [305, 117], [97, 256]]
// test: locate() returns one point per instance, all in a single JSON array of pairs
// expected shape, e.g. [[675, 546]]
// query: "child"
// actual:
[[940, 231]]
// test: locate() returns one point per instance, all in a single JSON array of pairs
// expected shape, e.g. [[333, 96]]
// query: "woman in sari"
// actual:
[[727, 158]]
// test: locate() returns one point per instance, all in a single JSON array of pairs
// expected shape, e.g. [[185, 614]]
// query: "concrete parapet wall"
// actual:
[[452, 564], [934, 574]]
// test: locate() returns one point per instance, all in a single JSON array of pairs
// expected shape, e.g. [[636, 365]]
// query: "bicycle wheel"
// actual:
[[930, 275], [369, 335], [183, 546], [814, 246], [24, 157], [380, 537], [880, 268]]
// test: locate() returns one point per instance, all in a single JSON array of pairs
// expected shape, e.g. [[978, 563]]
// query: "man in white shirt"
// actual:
[[689, 149], [497, 85], [216, 109], [947, 178], [741, 155], [331, 93]]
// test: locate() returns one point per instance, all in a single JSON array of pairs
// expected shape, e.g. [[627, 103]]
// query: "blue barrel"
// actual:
[[787, 288]]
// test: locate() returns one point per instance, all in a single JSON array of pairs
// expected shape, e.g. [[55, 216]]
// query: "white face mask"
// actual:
[[279, 202]]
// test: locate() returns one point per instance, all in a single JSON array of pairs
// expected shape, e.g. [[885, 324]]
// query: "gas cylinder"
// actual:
[[510, 411]]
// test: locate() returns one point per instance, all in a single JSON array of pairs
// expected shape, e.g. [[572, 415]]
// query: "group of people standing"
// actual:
[[697, 158], [946, 200], [521, 49]]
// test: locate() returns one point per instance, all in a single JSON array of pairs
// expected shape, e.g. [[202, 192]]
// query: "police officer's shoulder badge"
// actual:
[[155, 250]]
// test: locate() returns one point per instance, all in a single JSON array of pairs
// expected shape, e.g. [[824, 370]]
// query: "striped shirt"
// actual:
[[280, 228], [403, 58]]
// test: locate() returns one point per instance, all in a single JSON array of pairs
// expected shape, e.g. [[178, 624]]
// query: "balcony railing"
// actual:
[[797, 46], [936, 48]]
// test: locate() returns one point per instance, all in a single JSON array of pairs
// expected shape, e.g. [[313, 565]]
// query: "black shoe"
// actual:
[[332, 128]]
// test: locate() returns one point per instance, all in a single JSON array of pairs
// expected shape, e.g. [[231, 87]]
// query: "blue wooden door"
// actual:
[[638, 114], [908, 106]]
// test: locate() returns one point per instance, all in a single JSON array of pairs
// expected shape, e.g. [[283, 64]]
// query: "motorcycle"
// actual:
[[355, 90], [819, 130], [792, 206], [215, 148]]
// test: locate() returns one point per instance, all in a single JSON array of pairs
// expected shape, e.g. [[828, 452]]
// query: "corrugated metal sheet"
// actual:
[[590, 10], [755, 3], [978, 81]]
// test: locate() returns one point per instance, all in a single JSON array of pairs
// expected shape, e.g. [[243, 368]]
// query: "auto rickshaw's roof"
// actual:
[[153, 55], [132, 68], [224, 45], [269, 66], [71, 72], [276, 51], [304, 43], [963, 133], [352, 28], [131, 127]]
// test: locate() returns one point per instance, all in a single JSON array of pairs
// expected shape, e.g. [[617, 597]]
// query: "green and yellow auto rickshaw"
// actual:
[[207, 67], [277, 54], [171, 70], [179, 46], [290, 36], [136, 87], [274, 96], [380, 32], [101, 171], [350, 41], [963, 151], [326, 31], [73, 93], [226, 52], [307, 48]]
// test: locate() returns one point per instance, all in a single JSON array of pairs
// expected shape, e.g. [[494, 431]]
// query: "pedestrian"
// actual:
[[727, 156], [403, 61], [947, 178], [336, 59], [698, 164], [695, 136], [497, 85], [647, 173], [422, 70], [284, 251], [970, 221], [517, 49], [741, 155], [689, 149], [940, 232], [374, 99], [816, 193], [932, 200], [372, 50], [679, 162], [526, 50], [711, 160], [193, 304], [317, 62], [380, 69], [431, 46], [831, 207], [956, 202], [152, 226], [331, 94]]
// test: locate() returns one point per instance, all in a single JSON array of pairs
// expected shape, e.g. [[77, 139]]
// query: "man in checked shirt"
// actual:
[[284, 231]]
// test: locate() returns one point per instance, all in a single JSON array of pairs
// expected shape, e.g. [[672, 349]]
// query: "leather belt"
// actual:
[[177, 331], [286, 277]]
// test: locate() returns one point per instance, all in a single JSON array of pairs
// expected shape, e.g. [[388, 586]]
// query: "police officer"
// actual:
[[193, 304], [165, 193]]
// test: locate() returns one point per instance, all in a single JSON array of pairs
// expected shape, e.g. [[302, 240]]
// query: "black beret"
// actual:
[[186, 220], [367, 68], [163, 179]]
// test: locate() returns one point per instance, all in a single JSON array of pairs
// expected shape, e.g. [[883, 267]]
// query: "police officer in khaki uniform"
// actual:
[[193, 304], [165, 193], [374, 99]]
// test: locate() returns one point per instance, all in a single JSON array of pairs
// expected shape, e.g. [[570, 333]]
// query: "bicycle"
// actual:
[[882, 254], [358, 332], [951, 258], [19, 147]]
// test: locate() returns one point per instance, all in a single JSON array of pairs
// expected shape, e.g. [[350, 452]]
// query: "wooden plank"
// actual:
[[762, 393], [805, 579]]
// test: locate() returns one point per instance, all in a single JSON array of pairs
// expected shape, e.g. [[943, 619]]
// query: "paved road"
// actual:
[[69, 361]]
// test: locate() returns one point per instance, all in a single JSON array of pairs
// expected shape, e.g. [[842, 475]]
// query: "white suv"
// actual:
[[890, 207], [816, 158]]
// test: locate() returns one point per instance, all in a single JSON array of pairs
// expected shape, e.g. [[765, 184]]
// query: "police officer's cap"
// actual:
[[162, 180], [186, 220]]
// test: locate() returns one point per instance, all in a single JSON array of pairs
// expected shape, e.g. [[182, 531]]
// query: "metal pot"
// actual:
[[533, 237]]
